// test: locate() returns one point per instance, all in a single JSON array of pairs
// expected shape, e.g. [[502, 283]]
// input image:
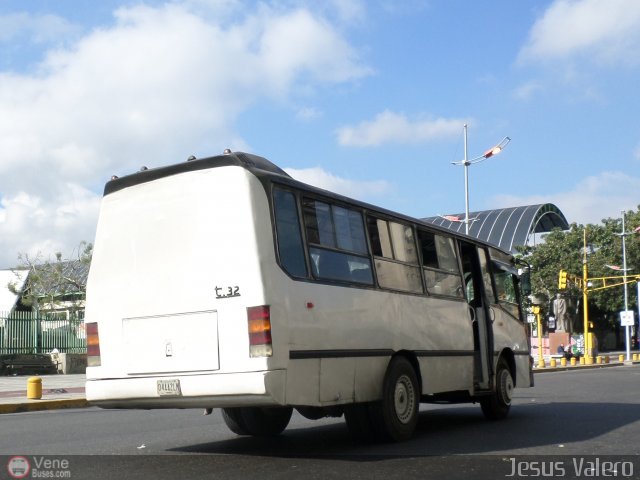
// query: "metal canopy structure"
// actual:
[[506, 227]]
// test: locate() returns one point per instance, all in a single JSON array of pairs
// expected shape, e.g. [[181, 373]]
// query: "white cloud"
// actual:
[[34, 224], [391, 127], [298, 43], [589, 201], [605, 30], [34, 28], [320, 178], [159, 84], [349, 10], [308, 113], [527, 90]]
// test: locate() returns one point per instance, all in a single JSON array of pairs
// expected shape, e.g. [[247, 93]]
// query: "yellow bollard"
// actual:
[[634, 357], [582, 361], [621, 358], [573, 360], [598, 359], [606, 359], [589, 360], [563, 361], [34, 388], [541, 363], [552, 363]]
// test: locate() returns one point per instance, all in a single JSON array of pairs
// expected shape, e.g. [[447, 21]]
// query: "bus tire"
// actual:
[[359, 422], [233, 419], [395, 417], [267, 421], [496, 406]]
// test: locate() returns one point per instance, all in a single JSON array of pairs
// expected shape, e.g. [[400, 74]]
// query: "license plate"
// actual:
[[169, 388]]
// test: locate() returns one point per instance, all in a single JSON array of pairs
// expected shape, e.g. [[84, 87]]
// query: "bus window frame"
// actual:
[[300, 193], [276, 232], [375, 216], [457, 258], [499, 262]]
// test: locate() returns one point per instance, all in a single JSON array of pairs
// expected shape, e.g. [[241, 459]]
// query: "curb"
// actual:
[[577, 367], [37, 405]]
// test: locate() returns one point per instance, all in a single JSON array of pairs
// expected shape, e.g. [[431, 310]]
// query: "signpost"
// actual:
[[627, 318]]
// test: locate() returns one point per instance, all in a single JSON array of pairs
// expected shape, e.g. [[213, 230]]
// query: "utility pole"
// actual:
[[626, 294], [588, 359]]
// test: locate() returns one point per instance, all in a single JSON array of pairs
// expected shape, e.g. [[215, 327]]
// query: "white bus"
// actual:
[[224, 283]]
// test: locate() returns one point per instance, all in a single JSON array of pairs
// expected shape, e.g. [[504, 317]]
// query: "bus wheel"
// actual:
[[234, 420], [496, 406], [267, 421], [396, 416]]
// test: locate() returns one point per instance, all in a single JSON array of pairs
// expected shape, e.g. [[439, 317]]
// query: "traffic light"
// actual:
[[562, 280]]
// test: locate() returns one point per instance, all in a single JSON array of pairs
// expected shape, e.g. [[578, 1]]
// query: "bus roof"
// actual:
[[265, 169], [240, 159]]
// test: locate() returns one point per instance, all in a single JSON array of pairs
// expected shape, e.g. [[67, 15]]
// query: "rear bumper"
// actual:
[[197, 391]]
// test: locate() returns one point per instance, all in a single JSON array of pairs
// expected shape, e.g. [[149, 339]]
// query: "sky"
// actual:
[[365, 98]]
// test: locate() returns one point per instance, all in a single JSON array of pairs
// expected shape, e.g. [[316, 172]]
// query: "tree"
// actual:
[[54, 284], [564, 250]]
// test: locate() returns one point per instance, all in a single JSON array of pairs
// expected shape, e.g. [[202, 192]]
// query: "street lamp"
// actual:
[[466, 162], [624, 273]]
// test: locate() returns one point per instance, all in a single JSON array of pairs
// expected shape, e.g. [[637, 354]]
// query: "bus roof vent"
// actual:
[[191, 158], [227, 151]]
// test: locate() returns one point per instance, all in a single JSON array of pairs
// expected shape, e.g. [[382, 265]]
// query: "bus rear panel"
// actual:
[[175, 273]]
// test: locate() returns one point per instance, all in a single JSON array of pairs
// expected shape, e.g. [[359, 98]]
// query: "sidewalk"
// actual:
[[58, 391], [614, 361]]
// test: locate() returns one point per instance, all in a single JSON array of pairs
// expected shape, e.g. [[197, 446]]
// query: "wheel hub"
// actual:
[[507, 387], [404, 399]]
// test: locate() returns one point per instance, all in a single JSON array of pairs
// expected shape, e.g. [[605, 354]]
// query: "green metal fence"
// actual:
[[28, 332]]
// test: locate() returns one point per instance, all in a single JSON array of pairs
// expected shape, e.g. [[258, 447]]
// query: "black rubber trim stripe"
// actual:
[[301, 354], [444, 353], [307, 354]]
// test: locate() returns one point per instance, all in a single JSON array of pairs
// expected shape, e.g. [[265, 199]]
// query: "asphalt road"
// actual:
[[571, 413]]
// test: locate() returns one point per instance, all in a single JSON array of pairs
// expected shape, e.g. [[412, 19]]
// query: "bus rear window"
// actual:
[[288, 233]]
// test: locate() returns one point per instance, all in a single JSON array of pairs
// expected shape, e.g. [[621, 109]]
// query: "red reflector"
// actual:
[[260, 338], [93, 350], [257, 313], [91, 328]]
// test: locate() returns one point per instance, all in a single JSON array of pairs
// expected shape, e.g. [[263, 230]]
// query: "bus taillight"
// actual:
[[259, 319], [93, 345]]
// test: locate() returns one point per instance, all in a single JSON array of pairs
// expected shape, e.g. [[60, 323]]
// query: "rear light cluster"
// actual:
[[93, 345], [259, 320]]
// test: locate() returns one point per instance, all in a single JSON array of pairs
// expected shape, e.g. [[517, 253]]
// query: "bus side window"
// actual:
[[290, 245], [440, 264], [396, 260], [337, 242], [506, 289]]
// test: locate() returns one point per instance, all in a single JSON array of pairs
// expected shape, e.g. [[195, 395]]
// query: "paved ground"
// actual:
[[67, 391], [58, 391]]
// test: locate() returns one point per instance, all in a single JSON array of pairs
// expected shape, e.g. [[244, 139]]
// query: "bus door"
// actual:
[[476, 276]]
